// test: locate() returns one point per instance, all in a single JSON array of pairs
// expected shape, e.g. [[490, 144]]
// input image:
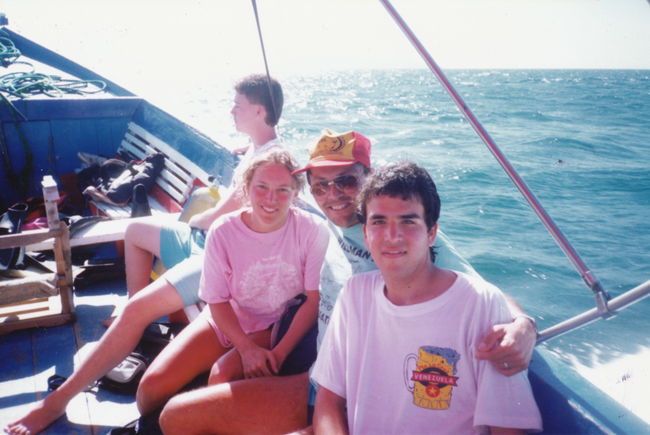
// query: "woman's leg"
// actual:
[[141, 244], [191, 353], [158, 299], [228, 367], [271, 404]]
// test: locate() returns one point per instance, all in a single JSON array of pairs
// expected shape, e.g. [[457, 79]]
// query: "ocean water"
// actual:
[[580, 139]]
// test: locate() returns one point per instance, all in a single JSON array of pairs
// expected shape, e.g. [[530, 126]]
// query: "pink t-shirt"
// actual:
[[258, 273]]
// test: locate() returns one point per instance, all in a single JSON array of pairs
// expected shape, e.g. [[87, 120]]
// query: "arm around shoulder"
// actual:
[[509, 346]]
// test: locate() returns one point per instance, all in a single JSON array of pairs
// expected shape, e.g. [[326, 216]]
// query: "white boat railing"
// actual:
[[605, 307], [618, 303]]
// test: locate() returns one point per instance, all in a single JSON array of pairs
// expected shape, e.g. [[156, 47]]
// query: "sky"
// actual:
[[307, 35]]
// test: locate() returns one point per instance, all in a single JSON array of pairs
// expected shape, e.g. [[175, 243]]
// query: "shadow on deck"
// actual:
[[29, 357]]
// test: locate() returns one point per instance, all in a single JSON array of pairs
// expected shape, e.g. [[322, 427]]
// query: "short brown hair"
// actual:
[[256, 88]]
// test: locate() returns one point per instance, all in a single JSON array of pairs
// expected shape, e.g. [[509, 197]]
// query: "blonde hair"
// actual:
[[277, 156]]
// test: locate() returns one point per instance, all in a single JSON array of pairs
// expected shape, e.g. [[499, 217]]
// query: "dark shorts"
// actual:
[[304, 354]]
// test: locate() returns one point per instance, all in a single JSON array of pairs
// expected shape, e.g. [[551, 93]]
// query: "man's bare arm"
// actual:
[[230, 202], [494, 430], [329, 413]]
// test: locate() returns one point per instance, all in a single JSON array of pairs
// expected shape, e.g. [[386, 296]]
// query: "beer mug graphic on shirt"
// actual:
[[429, 375]]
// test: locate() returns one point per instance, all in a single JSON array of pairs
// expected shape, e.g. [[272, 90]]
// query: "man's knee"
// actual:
[[132, 229], [226, 369], [137, 313], [172, 419], [147, 384], [141, 233], [219, 376], [152, 389]]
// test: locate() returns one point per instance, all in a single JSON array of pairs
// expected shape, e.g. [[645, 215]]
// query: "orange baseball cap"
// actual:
[[334, 149]]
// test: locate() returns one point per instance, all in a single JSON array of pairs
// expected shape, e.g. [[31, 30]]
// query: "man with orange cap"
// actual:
[[337, 168]]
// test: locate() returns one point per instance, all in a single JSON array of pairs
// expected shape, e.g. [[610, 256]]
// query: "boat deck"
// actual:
[[29, 357]]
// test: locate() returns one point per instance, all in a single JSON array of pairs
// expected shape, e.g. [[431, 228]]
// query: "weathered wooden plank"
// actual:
[[117, 212], [176, 179], [173, 154], [19, 289], [101, 232], [23, 307], [27, 288], [29, 357], [26, 238]]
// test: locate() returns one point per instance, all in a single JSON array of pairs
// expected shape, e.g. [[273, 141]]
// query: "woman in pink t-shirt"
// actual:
[[257, 260]]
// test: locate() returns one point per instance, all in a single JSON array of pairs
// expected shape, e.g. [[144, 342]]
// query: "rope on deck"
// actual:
[[26, 84], [8, 51]]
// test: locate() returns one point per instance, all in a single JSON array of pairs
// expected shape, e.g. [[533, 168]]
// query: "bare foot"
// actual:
[[43, 415]]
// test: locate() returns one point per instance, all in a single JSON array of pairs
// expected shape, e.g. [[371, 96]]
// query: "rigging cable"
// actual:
[[588, 277], [266, 64]]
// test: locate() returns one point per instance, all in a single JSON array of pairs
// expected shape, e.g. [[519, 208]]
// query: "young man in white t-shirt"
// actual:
[[337, 168], [398, 354]]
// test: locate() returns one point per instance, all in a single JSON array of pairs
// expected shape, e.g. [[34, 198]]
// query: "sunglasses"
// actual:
[[342, 183]]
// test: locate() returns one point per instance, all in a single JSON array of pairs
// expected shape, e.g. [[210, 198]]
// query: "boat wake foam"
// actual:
[[625, 379]]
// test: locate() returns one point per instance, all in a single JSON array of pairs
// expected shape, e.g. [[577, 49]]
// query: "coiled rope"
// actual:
[[27, 84], [23, 85], [8, 51]]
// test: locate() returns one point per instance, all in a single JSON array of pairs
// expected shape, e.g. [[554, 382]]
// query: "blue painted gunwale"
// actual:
[[57, 129]]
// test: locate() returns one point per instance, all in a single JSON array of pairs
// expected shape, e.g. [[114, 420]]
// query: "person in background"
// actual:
[[337, 168], [174, 242], [398, 354], [179, 246]]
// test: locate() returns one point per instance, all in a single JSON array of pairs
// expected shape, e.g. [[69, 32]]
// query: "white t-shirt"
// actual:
[[349, 256], [248, 157], [411, 369]]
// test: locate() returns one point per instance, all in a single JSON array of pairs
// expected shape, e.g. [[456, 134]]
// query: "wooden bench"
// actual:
[[174, 184], [103, 232], [43, 299], [100, 232], [27, 302], [172, 189]]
